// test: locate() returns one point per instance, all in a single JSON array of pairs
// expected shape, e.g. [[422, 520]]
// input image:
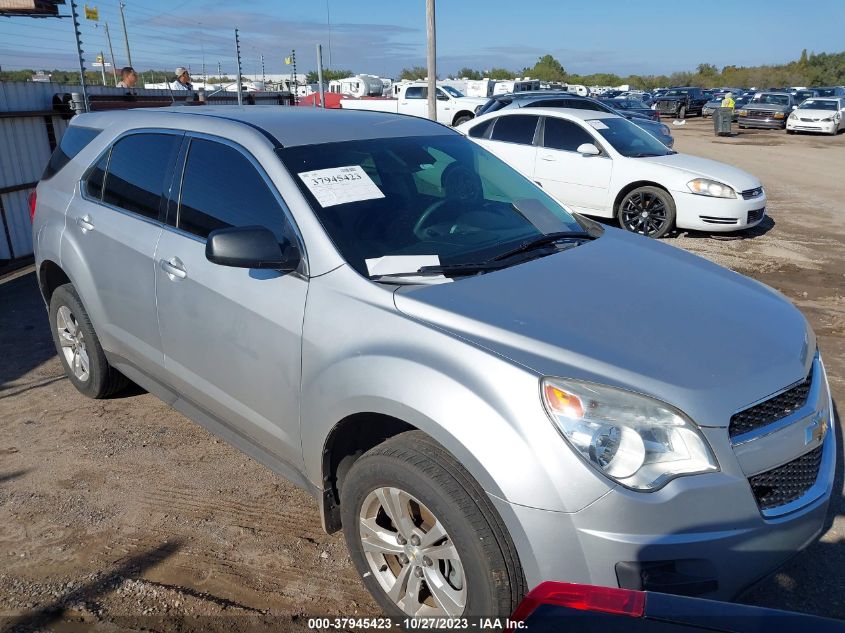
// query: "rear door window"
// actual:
[[517, 128], [138, 171], [481, 130], [416, 92], [222, 188], [564, 135], [74, 141]]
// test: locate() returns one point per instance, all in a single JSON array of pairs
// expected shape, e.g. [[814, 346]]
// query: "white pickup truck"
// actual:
[[453, 108]]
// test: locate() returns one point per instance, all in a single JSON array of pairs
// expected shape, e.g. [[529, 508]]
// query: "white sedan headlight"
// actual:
[[705, 187], [634, 440]]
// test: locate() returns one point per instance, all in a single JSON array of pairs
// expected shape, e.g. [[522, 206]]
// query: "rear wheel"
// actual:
[[424, 536], [649, 211], [79, 348]]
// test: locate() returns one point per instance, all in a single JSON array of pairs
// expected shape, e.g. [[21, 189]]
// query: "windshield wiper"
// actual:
[[540, 241]]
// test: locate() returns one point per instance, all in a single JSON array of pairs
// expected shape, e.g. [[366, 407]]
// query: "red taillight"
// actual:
[[582, 597], [33, 198]]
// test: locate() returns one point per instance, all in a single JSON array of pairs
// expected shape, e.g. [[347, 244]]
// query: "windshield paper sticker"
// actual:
[[596, 124], [391, 264], [340, 185]]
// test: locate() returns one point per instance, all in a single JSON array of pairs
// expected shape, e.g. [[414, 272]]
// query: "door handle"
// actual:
[[84, 223], [174, 268], [548, 157]]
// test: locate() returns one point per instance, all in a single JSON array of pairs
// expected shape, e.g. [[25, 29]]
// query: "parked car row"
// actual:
[[482, 389]]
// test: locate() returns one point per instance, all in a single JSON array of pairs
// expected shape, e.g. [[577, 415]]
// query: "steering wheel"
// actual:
[[421, 228]]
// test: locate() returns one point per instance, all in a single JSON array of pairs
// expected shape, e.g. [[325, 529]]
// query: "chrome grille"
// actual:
[[761, 114], [771, 410], [784, 484]]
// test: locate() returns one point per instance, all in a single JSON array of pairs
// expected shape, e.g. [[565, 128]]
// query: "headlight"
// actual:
[[705, 187], [830, 118], [779, 115], [742, 112], [793, 116], [665, 129], [634, 440]]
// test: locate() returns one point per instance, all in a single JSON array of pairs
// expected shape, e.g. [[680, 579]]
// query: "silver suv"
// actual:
[[483, 390]]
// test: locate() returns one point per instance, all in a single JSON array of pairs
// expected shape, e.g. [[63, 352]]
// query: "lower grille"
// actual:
[[786, 483], [771, 410], [713, 220], [755, 215]]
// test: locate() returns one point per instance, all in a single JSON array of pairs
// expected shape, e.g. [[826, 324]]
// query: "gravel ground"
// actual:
[[124, 515]]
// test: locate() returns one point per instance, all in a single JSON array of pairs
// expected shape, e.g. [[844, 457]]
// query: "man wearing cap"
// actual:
[[182, 81]]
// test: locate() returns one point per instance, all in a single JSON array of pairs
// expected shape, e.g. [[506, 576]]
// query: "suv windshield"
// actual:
[[452, 91], [676, 93], [628, 139], [438, 196], [772, 99], [819, 104]]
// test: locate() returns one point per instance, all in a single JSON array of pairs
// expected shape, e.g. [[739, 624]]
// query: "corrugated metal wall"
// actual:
[[29, 131]]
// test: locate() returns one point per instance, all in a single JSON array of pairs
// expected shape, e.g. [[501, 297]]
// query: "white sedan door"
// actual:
[[512, 139], [581, 182]]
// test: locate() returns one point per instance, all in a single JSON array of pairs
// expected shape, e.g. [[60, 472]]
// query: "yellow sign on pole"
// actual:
[[288, 61], [91, 13]]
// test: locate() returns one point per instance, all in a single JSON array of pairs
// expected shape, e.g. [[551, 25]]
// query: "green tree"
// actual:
[[413, 73], [500, 74], [468, 73], [328, 75], [547, 68]]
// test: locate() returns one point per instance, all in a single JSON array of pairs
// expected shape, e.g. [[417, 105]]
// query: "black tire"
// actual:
[[461, 118], [102, 380], [657, 203], [417, 465], [788, 131], [682, 112]]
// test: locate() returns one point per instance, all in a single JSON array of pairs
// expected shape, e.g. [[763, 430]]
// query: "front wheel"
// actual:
[[682, 112], [424, 536], [462, 118], [649, 211]]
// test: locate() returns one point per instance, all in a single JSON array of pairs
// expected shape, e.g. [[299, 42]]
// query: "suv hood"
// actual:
[[632, 312], [697, 167], [769, 107]]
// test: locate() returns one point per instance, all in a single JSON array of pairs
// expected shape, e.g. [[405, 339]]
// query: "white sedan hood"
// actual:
[[807, 113], [697, 167]]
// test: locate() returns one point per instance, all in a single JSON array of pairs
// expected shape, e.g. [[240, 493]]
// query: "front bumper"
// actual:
[[826, 127], [703, 213], [769, 123], [707, 528]]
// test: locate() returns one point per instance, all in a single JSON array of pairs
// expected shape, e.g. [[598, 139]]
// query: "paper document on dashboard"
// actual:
[[340, 185]]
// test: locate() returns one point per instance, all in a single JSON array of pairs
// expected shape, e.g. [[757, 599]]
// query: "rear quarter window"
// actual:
[[74, 141]]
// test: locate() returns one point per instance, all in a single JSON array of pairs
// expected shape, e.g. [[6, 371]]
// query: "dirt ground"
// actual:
[[123, 514]]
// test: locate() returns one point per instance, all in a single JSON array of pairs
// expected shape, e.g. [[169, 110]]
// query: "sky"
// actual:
[[383, 36]]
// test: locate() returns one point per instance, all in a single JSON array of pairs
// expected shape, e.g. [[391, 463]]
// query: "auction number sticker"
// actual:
[[340, 185], [597, 124]]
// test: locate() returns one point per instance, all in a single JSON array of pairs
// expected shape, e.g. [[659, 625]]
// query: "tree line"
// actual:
[[811, 69]]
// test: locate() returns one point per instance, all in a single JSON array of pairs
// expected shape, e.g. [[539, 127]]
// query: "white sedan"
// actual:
[[600, 164], [817, 115]]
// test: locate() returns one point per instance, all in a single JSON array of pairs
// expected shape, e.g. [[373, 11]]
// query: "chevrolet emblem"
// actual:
[[816, 430]]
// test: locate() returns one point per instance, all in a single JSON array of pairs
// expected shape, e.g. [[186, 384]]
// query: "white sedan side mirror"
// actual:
[[588, 149]]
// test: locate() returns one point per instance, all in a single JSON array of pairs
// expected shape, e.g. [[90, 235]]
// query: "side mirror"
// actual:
[[588, 149], [250, 247], [442, 97]]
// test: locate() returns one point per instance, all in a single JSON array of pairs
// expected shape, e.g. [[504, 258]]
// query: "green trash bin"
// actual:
[[722, 121]]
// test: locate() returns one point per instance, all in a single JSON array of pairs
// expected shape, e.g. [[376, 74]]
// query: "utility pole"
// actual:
[[238, 52], [111, 53], [103, 67], [125, 36], [75, 21], [432, 60], [263, 78], [295, 79], [219, 72], [329, 24], [320, 75]]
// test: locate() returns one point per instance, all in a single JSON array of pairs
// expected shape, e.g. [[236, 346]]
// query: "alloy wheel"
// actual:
[[411, 555], [73, 344], [644, 213]]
